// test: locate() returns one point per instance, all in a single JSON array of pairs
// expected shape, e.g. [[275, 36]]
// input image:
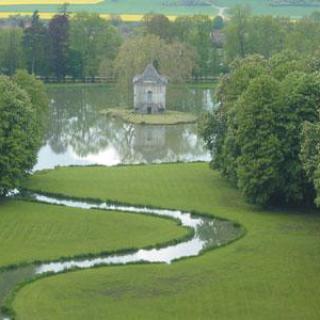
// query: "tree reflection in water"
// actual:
[[78, 134], [224, 232]]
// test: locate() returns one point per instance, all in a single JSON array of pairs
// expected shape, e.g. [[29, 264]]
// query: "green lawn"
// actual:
[[271, 273], [31, 231]]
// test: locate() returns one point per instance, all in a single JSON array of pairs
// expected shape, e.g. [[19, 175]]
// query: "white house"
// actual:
[[149, 91]]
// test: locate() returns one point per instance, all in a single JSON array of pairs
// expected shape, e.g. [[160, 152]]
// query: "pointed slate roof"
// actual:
[[150, 74]]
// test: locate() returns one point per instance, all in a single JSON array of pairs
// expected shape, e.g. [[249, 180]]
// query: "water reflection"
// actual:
[[208, 233], [79, 135]]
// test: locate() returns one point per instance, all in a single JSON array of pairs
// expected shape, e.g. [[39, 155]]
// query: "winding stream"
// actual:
[[207, 233], [78, 134]]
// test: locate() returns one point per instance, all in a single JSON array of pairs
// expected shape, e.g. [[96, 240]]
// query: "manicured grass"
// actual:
[[166, 118], [271, 273], [31, 231]]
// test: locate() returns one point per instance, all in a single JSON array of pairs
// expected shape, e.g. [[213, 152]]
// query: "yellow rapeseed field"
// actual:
[[49, 15], [27, 2]]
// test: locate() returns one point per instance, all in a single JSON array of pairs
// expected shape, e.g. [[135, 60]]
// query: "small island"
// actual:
[[166, 118], [149, 102]]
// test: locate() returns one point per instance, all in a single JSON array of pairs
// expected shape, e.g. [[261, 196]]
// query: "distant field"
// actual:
[[263, 7], [41, 2], [49, 15], [133, 10], [121, 7]]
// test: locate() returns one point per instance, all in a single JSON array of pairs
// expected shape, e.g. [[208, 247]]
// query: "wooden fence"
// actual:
[[98, 79]]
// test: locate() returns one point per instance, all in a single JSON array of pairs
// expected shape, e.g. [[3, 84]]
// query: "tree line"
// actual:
[[23, 110], [262, 134], [267, 35], [84, 44], [78, 46]]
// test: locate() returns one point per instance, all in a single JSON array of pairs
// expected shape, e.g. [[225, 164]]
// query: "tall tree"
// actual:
[[59, 44], [175, 59], [261, 154], [200, 38], [301, 99], [19, 135], [36, 46], [197, 32], [92, 40], [159, 25], [310, 155], [266, 35], [11, 53], [255, 134], [237, 33], [37, 94]]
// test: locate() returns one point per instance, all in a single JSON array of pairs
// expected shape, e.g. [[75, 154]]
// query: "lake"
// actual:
[[77, 134]]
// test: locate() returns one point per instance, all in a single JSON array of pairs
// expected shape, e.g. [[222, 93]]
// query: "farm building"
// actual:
[[149, 91]]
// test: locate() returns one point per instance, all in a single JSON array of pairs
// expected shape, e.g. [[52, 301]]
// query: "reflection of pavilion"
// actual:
[[149, 141], [78, 134]]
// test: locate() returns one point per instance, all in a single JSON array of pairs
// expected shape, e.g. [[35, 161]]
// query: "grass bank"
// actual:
[[271, 273], [166, 118], [32, 231]]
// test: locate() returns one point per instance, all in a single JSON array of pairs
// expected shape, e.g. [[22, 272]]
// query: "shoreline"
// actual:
[[166, 118]]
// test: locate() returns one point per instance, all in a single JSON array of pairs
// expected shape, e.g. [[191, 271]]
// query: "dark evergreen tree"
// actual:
[[36, 46], [59, 45]]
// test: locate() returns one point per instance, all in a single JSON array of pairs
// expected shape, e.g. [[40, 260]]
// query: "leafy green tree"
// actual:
[[11, 53], [36, 46], [221, 127], [92, 40], [200, 39], [159, 25], [19, 135], [255, 134], [181, 28], [285, 62], [303, 36], [266, 35], [196, 31], [310, 150], [310, 156], [301, 100], [261, 156], [236, 33], [175, 60], [37, 94], [316, 183]]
